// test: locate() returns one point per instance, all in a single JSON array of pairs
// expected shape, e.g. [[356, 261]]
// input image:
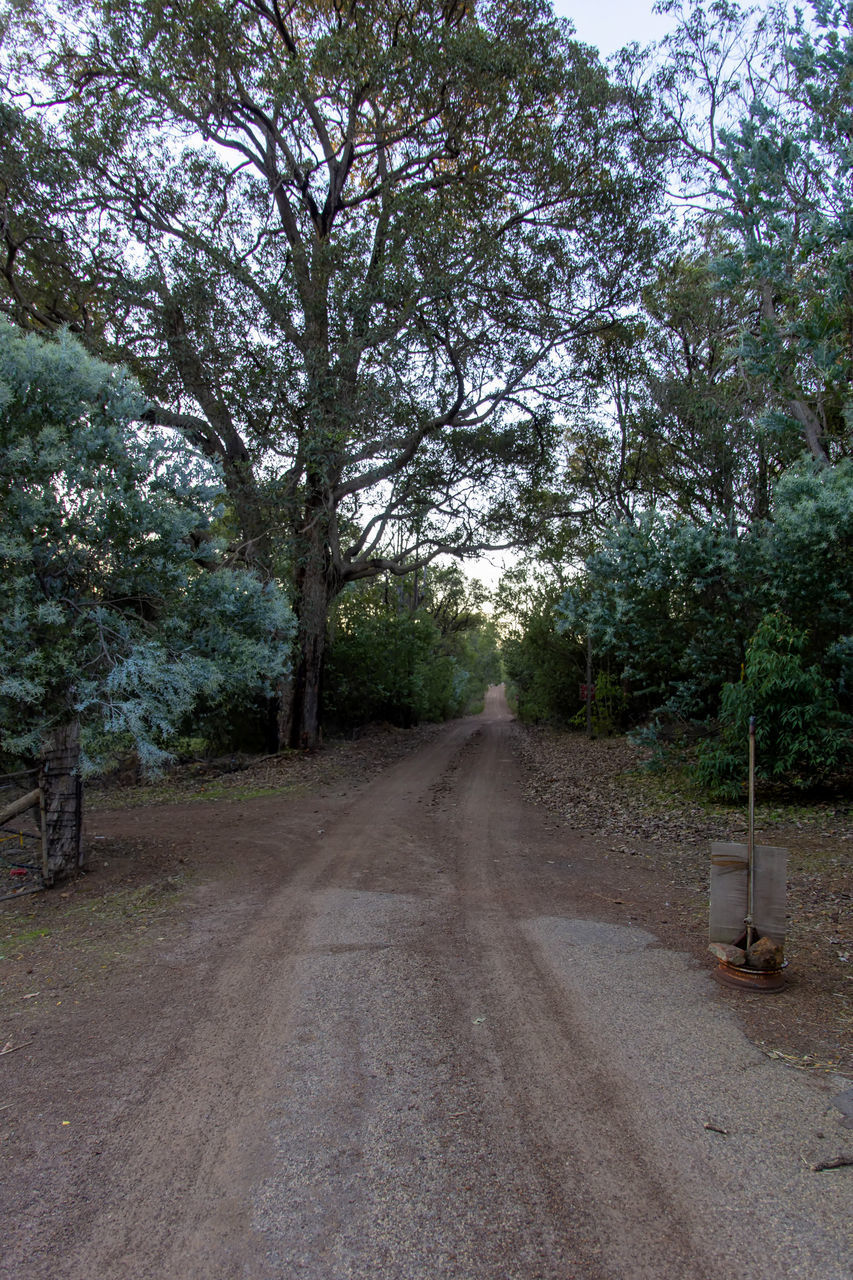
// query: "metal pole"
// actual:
[[750, 839], [588, 685]]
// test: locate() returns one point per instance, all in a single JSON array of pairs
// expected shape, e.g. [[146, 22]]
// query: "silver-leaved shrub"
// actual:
[[109, 611]]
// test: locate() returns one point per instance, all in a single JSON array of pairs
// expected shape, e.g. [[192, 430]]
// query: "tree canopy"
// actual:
[[421, 280], [751, 103], [711, 556], [117, 610], [342, 247]]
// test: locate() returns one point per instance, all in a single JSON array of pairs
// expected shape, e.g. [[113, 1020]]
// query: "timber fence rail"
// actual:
[[23, 835]]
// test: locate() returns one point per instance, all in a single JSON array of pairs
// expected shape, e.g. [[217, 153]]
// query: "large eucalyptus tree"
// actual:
[[753, 102], [345, 247]]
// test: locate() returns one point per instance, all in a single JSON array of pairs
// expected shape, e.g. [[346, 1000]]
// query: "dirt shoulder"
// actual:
[[154, 850], [658, 836]]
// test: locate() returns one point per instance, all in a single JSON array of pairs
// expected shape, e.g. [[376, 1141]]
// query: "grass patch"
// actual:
[[674, 786], [218, 791], [84, 922], [21, 940]]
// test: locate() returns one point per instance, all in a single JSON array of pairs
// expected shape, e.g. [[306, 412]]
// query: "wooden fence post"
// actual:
[[62, 789]]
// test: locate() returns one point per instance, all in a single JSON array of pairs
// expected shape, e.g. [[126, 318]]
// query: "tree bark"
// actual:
[[812, 430], [286, 705], [63, 801], [317, 586], [797, 407]]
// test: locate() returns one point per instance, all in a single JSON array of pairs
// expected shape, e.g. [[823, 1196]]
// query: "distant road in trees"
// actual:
[[412, 1038]]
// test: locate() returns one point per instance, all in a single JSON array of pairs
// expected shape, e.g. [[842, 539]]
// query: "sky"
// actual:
[[610, 24]]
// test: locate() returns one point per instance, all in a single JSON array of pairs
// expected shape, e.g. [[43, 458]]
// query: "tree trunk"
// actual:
[[797, 407], [299, 722], [62, 789], [589, 732], [761, 505], [285, 699], [812, 430]]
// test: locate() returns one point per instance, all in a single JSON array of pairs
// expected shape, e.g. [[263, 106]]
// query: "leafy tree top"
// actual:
[[348, 241], [111, 607]]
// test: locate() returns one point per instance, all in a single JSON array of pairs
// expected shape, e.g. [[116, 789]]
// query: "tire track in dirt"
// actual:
[[504, 1193], [373, 1062], [390, 1159], [606, 1069], [169, 1195], [583, 1134], [172, 1197]]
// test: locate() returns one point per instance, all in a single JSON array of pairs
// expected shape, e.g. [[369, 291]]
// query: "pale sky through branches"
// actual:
[[610, 24]]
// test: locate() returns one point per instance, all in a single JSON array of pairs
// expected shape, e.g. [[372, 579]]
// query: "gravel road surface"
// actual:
[[409, 1049]]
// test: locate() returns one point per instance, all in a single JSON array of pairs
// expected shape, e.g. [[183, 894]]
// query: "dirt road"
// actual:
[[406, 1045]]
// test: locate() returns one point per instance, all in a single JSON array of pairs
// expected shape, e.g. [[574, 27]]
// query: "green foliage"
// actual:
[[383, 667], [666, 416], [544, 668], [403, 660], [346, 242], [810, 564], [607, 708], [670, 605], [802, 736], [111, 609], [753, 106], [791, 207]]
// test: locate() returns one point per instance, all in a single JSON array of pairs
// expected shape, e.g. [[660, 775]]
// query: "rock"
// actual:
[[727, 953], [765, 954]]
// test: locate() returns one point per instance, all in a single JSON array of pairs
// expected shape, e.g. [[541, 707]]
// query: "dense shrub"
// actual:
[[392, 660], [802, 737], [669, 606], [678, 609], [117, 609], [544, 668]]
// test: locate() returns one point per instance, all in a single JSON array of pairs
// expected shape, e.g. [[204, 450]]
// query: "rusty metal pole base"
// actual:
[[730, 975]]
